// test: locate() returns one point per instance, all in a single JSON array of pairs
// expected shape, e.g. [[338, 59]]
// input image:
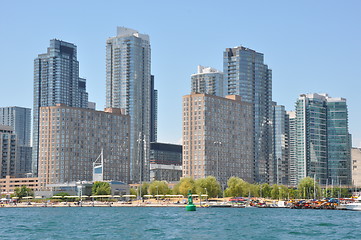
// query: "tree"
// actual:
[[236, 187], [101, 188], [307, 188], [184, 185], [158, 188], [144, 189], [23, 192], [132, 191], [63, 194], [208, 185], [265, 190]]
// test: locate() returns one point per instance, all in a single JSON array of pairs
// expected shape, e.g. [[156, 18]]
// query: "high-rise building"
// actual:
[[8, 147], [208, 80], [71, 140], [356, 167], [246, 75], [56, 81], [292, 148], [217, 137], [281, 164], [323, 142], [128, 86], [19, 118], [165, 153], [154, 112]]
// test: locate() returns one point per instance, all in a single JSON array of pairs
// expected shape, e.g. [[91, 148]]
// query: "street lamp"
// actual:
[[206, 194], [157, 193]]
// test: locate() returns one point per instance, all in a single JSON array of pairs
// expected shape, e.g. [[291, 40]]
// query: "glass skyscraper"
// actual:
[[323, 142], [56, 81], [281, 146], [128, 86], [246, 75]]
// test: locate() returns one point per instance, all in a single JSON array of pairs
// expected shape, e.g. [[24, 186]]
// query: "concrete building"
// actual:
[[217, 137], [165, 162], [71, 139], [19, 118], [56, 81], [8, 184], [8, 145], [356, 167], [323, 143], [246, 75], [208, 80], [128, 86], [164, 172]]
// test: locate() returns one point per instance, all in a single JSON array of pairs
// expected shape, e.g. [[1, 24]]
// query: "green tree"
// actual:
[[158, 188], [23, 192], [184, 185], [236, 187], [265, 190], [144, 189], [132, 191], [101, 188], [63, 194], [208, 185], [307, 188]]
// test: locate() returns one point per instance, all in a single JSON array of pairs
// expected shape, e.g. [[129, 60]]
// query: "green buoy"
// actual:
[[190, 206]]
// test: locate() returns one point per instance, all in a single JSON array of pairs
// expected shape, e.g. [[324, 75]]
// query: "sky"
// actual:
[[311, 46]]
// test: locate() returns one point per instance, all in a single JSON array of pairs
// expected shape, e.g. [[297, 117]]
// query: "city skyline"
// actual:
[[308, 52]]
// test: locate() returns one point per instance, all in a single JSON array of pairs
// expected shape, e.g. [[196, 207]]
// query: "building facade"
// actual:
[[246, 75], [154, 112], [8, 184], [292, 148], [8, 145], [281, 162], [165, 153], [56, 81], [208, 80], [165, 172], [323, 142], [71, 139], [356, 167], [19, 118], [217, 137], [128, 86]]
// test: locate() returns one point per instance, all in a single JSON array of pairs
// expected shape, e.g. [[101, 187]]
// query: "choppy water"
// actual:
[[176, 223]]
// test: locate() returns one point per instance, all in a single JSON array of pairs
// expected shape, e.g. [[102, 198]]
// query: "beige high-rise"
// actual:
[[71, 139], [217, 137], [356, 166]]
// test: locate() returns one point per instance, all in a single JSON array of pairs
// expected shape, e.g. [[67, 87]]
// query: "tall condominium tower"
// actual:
[[281, 164], [323, 142], [246, 75], [73, 138], [128, 86], [8, 151], [154, 112], [292, 148], [56, 81], [19, 118], [217, 137], [208, 80]]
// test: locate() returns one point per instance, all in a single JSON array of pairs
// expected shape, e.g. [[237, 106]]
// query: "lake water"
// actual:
[[176, 223]]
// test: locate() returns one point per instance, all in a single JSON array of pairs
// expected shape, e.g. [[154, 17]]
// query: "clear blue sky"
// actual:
[[311, 46]]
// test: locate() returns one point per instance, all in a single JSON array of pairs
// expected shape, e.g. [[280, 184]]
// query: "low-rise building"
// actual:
[[8, 184]]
